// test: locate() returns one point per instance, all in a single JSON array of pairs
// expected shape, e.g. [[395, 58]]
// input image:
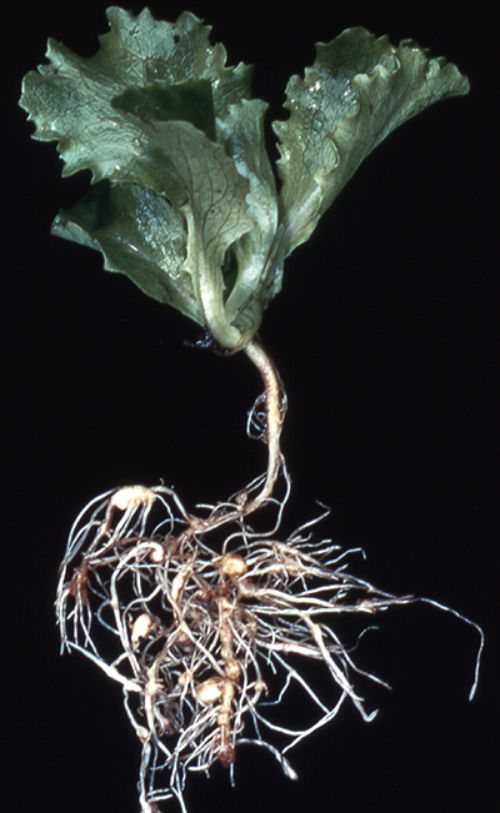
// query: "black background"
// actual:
[[385, 337]]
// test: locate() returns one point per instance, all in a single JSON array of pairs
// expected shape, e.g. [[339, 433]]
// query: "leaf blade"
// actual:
[[257, 279], [358, 90], [130, 115], [139, 235]]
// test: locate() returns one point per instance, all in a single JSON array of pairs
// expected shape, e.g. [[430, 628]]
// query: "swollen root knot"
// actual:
[[207, 644]]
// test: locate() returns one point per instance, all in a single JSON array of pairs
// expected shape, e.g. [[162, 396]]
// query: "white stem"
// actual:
[[274, 414]]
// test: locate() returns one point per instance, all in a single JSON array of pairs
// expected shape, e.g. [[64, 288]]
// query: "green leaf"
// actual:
[[178, 161], [189, 101], [115, 114], [359, 89], [140, 235], [83, 102], [185, 203], [215, 215], [258, 276], [137, 52]]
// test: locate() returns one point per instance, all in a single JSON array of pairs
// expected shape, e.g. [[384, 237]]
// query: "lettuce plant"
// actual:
[[195, 612]]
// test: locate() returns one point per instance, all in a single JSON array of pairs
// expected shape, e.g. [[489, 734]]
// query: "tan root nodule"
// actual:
[[200, 639]]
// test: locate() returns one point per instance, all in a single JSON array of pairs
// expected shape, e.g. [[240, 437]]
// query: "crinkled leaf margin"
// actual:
[[359, 89]]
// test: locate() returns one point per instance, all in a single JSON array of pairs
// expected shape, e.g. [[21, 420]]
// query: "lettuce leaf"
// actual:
[[359, 89], [139, 234], [184, 201], [142, 111], [259, 273]]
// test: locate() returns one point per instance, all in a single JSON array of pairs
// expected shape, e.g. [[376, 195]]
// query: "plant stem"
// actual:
[[275, 404]]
